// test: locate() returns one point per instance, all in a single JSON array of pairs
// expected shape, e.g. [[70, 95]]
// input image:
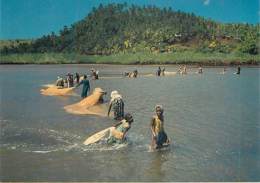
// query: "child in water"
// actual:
[[118, 134], [159, 137]]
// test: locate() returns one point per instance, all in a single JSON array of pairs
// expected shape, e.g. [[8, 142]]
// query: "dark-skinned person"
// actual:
[[86, 86], [238, 70], [118, 133], [60, 82], [159, 137], [117, 104], [77, 77]]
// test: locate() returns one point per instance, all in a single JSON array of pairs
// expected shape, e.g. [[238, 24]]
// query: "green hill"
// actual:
[[122, 29]]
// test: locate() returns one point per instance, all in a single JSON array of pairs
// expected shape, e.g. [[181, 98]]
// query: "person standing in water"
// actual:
[[94, 74], [184, 69], [118, 134], [163, 71], [77, 77], [86, 86], [179, 71], [159, 137], [97, 72], [200, 70], [117, 104], [158, 73], [223, 71], [238, 70], [70, 80]]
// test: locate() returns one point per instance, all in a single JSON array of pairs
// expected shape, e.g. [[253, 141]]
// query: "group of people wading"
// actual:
[[183, 70], [117, 105], [131, 74], [118, 135], [69, 81]]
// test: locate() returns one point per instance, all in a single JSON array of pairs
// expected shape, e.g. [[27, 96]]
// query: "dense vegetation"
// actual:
[[121, 29]]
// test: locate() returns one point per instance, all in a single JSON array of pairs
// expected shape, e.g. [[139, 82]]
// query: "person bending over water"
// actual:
[[117, 104], [135, 72], [86, 86], [118, 135], [159, 137], [60, 82], [94, 74]]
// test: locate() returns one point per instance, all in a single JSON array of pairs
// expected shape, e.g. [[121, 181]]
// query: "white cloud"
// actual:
[[206, 2]]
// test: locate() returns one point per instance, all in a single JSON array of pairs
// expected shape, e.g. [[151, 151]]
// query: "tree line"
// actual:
[[118, 28]]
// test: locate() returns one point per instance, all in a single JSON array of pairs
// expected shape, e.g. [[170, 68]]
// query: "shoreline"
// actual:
[[154, 63], [139, 58], [257, 65]]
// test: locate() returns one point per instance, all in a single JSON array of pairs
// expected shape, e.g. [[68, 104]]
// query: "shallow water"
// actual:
[[211, 119]]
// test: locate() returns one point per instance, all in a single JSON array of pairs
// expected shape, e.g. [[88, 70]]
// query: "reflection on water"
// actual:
[[155, 169], [212, 120]]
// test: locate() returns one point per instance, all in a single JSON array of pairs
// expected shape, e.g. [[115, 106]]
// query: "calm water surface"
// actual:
[[212, 120]]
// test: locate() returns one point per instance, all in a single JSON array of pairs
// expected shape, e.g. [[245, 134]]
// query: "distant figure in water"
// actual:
[[135, 72], [163, 71], [70, 80], [179, 70], [60, 82], [158, 73], [185, 69], [159, 137], [126, 74], [117, 104], [86, 86], [118, 135], [77, 77], [224, 70], [94, 74], [200, 70], [97, 72], [131, 74], [238, 70]]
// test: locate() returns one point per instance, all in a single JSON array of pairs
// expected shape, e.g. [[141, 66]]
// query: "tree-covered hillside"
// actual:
[[119, 28]]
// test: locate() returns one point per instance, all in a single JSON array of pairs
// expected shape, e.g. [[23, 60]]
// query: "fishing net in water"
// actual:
[[54, 90], [90, 105], [169, 73]]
